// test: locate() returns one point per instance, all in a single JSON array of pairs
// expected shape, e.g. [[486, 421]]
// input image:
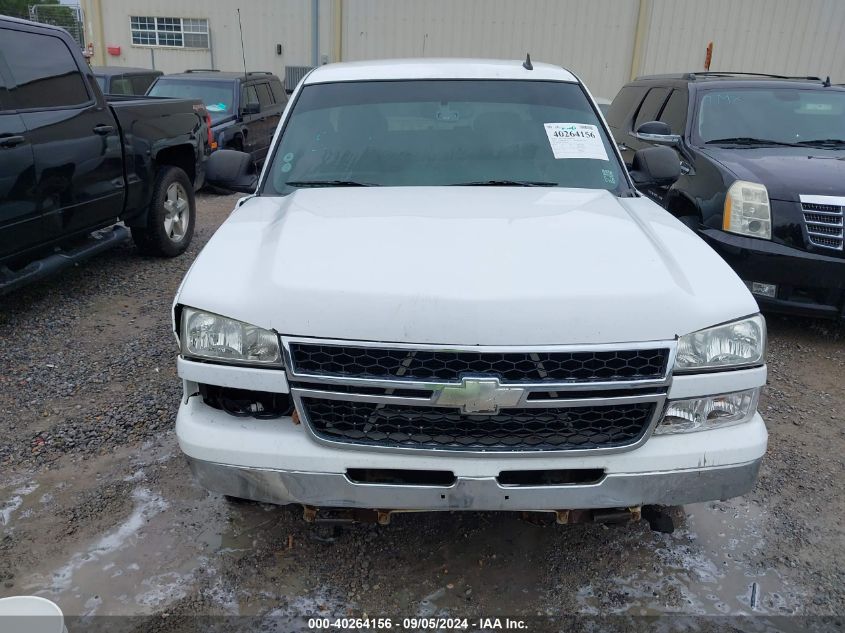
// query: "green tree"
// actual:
[[20, 8]]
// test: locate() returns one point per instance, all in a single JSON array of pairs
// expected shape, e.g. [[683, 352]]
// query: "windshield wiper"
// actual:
[[505, 183], [824, 142], [748, 140], [329, 183]]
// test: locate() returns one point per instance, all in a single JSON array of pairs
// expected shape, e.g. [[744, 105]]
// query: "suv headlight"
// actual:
[[701, 414], [214, 337], [747, 210], [738, 344]]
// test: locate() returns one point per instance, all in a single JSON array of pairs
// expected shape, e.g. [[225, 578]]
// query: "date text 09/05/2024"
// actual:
[[417, 623]]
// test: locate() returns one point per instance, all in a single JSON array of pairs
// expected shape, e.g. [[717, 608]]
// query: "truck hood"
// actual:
[[464, 265], [786, 172]]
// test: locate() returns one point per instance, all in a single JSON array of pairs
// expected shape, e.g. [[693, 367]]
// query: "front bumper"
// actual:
[[809, 284], [334, 490], [278, 461]]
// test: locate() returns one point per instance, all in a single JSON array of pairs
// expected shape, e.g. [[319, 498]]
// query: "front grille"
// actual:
[[824, 224], [390, 425], [450, 366]]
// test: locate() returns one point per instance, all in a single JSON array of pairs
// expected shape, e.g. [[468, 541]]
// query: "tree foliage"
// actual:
[[20, 8]]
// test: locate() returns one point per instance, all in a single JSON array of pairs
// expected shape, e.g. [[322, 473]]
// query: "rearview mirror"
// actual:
[[655, 167], [232, 170], [253, 107], [656, 132]]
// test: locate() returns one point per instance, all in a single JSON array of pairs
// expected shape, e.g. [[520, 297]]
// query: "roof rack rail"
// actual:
[[260, 72], [731, 73], [202, 70]]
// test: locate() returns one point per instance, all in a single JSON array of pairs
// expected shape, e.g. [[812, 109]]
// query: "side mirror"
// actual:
[[656, 132], [232, 170], [655, 167], [253, 107]]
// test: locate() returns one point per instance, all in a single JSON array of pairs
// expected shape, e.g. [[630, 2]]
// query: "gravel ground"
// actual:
[[99, 512]]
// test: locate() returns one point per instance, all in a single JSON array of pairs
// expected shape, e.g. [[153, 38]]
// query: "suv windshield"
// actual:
[[444, 132], [218, 96], [752, 116]]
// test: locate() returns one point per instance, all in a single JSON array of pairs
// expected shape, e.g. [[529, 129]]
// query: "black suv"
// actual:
[[244, 109], [762, 175]]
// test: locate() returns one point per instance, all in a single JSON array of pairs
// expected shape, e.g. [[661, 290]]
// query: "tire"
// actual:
[[170, 217]]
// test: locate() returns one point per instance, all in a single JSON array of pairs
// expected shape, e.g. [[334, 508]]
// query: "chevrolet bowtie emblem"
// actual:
[[479, 395]]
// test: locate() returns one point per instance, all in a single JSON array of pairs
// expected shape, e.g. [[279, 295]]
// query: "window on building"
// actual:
[[177, 32]]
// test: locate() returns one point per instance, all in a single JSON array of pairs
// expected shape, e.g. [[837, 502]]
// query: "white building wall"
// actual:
[[788, 37], [266, 23], [594, 38], [605, 42]]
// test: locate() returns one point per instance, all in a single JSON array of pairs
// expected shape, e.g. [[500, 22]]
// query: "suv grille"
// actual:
[[824, 223], [450, 366], [448, 429]]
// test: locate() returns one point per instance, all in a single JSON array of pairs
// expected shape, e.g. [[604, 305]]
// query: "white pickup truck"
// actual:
[[446, 293]]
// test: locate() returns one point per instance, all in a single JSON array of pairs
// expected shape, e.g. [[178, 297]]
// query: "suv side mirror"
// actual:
[[253, 107], [655, 167], [657, 132], [232, 170]]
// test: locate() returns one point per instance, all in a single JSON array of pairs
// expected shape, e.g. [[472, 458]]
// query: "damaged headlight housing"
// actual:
[[747, 210], [210, 336], [738, 344], [702, 414]]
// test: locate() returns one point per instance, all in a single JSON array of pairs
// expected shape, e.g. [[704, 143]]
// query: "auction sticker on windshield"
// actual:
[[575, 140]]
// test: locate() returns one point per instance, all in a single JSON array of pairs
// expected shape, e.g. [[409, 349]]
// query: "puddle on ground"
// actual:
[[15, 501], [170, 544], [705, 567]]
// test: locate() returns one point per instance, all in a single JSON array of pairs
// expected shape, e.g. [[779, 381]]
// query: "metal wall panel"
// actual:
[[791, 37], [592, 38]]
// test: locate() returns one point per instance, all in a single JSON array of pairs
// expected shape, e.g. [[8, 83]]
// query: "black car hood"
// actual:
[[786, 172]]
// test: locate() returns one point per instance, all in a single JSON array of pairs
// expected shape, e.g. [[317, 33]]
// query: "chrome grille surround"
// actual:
[[823, 219], [398, 392]]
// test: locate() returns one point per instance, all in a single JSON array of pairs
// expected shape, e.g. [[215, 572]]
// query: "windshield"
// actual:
[[101, 81], [439, 132], [218, 96], [782, 115]]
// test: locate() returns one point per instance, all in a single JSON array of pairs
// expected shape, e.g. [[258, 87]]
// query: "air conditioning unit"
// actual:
[[293, 75]]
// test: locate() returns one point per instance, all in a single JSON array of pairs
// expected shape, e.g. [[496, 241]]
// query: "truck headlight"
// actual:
[[738, 344], [701, 414], [215, 337], [747, 210]]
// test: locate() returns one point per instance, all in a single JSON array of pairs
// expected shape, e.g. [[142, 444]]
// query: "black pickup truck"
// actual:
[[73, 165]]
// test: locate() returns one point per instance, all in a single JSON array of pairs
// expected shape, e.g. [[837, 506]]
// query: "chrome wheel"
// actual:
[[177, 212]]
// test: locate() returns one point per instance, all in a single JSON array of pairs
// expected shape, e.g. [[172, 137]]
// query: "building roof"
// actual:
[[431, 68]]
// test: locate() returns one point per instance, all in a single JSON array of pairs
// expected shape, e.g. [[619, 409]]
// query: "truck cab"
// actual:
[[73, 163], [446, 292]]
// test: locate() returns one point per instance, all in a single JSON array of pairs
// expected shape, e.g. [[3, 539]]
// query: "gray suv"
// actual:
[[244, 109]]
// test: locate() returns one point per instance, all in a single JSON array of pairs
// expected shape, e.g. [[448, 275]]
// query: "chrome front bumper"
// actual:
[[334, 490]]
